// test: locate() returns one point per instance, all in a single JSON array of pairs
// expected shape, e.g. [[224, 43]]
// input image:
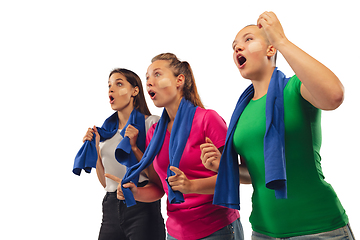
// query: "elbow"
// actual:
[[336, 99]]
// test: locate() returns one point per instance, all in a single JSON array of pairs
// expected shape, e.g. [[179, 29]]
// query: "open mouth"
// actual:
[[111, 99], [152, 94], [241, 60]]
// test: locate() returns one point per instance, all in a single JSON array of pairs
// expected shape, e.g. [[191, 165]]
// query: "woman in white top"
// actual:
[[144, 220]]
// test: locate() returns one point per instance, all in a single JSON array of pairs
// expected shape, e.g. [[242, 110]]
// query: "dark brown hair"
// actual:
[[135, 81], [189, 90]]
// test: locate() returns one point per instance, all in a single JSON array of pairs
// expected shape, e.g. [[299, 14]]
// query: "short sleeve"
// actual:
[[150, 134], [215, 128], [294, 85]]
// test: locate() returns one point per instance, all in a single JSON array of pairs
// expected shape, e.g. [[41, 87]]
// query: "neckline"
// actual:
[[252, 100]]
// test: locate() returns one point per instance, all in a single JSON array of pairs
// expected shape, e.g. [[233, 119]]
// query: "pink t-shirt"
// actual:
[[197, 217]]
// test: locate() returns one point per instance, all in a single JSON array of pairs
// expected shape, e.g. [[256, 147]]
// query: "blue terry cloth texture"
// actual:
[[179, 134], [87, 156], [123, 152], [227, 184]]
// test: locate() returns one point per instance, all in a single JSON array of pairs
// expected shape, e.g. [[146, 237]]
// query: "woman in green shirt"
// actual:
[[309, 206]]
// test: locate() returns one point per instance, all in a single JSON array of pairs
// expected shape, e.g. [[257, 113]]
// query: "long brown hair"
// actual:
[[182, 67], [135, 81]]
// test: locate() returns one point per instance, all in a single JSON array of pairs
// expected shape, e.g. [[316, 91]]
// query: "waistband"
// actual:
[[141, 184]]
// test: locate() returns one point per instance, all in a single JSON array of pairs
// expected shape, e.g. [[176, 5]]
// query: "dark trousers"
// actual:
[[139, 222]]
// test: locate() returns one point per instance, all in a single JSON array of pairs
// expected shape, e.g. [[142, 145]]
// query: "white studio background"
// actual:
[[55, 60]]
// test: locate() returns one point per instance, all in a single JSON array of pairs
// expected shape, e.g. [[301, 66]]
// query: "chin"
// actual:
[[244, 75], [159, 105], [116, 108]]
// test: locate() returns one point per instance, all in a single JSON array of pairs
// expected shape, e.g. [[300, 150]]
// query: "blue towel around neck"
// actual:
[[123, 152], [227, 185], [87, 156], [178, 138]]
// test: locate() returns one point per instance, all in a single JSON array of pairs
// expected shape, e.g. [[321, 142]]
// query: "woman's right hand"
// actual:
[[90, 134], [130, 185]]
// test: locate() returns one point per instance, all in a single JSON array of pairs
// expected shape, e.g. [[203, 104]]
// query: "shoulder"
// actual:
[[208, 117], [151, 130], [212, 125], [293, 85], [207, 114], [293, 98], [150, 121]]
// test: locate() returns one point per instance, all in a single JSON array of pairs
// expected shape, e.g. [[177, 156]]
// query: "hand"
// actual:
[[210, 155], [272, 28], [179, 182], [120, 194], [90, 134], [132, 133]]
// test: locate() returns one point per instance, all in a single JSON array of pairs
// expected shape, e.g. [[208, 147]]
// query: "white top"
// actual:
[[111, 165]]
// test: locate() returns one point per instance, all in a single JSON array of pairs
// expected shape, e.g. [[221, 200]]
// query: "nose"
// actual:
[[149, 82], [238, 48], [111, 89]]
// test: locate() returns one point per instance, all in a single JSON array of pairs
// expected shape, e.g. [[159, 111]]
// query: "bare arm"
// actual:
[[132, 133], [244, 174], [99, 166], [181, 183], [149, 193], [320, 86], [100, 171]]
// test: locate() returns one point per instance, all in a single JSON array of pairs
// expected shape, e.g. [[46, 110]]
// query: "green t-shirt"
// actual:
[[312, 205]]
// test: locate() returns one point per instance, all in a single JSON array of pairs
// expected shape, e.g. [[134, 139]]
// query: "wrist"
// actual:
[[134, 148], [282, 43], [192, 186]]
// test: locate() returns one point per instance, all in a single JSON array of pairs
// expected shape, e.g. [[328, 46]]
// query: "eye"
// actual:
[[157, 74], [119, 84], [109, 86], [248, 39]]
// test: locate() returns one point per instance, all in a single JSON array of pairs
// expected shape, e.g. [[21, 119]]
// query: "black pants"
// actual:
[[139, 222]]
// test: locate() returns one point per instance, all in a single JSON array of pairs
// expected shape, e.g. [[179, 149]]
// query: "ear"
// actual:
[[135, 92], [271, 51], [180, 80]]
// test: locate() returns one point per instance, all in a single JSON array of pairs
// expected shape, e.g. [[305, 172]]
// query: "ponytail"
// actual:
[[189, 90]]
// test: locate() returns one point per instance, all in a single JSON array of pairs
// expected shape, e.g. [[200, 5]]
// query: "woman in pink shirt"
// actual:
[[168, 82]]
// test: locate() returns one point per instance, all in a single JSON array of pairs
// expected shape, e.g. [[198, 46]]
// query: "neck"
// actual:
[[124, 115], [171, 111], [261, 83]]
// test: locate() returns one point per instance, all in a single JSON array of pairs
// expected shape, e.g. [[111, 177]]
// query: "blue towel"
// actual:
[[178, 138], [123, 152], [227, 184], [87, 156]]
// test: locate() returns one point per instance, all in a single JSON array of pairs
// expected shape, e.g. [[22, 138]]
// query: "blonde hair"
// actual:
[[182, 67], [265, 38]]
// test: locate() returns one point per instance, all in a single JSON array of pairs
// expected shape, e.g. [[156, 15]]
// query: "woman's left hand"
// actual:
[[179, 182]]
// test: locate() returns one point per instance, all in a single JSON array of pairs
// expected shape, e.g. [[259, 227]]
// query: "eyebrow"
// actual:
[[117, 80], [233, 44], [244, 36], [247, 34], [153, 70]]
